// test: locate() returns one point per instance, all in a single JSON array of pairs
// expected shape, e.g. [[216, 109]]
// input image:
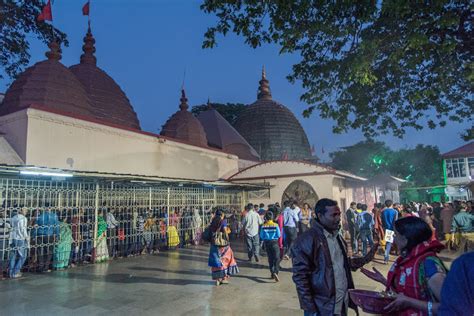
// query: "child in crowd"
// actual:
[[269, 233]]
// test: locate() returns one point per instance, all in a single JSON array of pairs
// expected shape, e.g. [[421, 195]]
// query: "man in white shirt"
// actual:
[[251, 223], [290, 222], [19, 243]]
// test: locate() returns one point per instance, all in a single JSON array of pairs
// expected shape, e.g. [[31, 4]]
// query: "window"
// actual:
[[456, 168], [470, 164]]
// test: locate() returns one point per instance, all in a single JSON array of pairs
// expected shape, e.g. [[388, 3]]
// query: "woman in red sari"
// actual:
[[418, 274]]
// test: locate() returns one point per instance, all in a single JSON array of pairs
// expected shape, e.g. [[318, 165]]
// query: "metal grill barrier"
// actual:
[[81, 222]]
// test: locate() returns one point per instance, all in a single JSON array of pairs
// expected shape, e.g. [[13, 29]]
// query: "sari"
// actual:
[[196, 228], [101, 251], [173, 237], [62, 250], [222, 260]]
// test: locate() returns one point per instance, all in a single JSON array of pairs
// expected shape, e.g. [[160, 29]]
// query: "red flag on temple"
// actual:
[[85, 9], [284, 156], [46, 14]]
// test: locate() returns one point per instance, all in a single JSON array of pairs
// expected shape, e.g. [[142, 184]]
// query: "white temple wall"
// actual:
[[14, 126], [322, 185], [57, 141]]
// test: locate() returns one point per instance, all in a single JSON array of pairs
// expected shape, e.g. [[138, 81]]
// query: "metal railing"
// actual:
[[77, 222]]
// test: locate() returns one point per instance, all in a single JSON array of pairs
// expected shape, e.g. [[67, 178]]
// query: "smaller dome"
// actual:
[[184, 126], [109, 102], [48, 83]]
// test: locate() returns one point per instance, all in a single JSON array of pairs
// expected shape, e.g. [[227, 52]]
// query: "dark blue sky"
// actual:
[[146, 45]]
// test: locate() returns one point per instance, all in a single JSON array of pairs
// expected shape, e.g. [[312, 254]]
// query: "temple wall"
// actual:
[[322, 185], [14, 127], [57, 141]]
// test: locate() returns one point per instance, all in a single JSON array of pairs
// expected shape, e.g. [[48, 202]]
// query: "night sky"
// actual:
[[148, 45]]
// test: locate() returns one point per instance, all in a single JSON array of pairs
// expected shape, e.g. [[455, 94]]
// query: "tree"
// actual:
[[366, 158], [379, 66], [17, 23], [420, 166], [230, 111]]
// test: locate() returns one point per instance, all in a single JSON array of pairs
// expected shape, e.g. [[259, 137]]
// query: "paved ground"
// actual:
[[170, 283]]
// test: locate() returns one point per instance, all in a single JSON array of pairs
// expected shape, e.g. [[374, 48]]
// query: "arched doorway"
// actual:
[[300, 191]]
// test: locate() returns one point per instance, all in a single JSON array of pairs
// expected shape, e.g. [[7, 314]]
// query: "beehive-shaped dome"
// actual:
[[272, 129], [48, 83], [109, 102], [184, 126]]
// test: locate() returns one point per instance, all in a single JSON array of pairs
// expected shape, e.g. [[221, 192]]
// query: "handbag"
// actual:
[[220, 239]]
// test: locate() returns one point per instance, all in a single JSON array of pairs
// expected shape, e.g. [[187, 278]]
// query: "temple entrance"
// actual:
[[300, 191]]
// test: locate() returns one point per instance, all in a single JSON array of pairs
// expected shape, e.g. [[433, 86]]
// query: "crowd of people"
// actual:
[[47, 238], [322, 266], [449, 222]]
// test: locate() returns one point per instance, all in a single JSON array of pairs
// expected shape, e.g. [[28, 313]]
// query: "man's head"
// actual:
[[249, 206], [262, 205], [363, 207], [268, 216], [353, 205], [255, 207], [358, 206], [328, 214], [388, 203]]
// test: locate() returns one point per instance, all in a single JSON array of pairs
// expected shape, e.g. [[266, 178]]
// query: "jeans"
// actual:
[[290, 237], [17, 257], [273, 252], [366, 235], [354, 240], [307, 313], [388, 246], [253, 247]]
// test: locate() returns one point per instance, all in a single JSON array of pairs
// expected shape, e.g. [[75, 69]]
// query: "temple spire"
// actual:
[[264, 92], [89, 49], [184, 101], [209, 105], [54, 52]]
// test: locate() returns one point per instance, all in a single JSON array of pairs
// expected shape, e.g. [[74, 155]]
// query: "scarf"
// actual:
[[404, 274]]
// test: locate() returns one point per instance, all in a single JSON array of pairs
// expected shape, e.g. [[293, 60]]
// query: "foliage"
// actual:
[[420, 166], [379, 66], [17, 24], [230, 111]]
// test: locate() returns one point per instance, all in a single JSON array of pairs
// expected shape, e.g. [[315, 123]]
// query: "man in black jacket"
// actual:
[[321, 268]]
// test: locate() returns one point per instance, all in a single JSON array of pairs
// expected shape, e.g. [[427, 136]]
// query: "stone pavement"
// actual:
[[170, 283]]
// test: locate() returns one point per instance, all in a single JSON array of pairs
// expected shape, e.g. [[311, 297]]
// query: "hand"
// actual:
[[401, 302], [376, 275]]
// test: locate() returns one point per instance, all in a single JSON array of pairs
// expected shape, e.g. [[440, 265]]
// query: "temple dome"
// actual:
[[272, 129], [47, 83], [109, 102], [184, 126]]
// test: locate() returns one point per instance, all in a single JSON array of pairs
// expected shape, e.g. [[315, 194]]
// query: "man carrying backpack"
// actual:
[[366, 225]]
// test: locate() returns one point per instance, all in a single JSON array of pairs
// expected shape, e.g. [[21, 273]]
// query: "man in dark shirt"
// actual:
[[351, 216]]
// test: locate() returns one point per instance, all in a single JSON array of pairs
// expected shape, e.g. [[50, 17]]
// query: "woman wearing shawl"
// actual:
[[197, 227], [221, 258], [62, 250], [102, 253], [418, 274]]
